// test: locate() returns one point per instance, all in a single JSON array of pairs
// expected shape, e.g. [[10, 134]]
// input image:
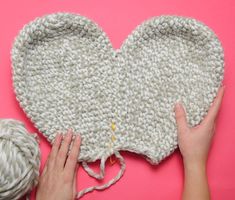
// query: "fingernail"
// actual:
[[178, 105], [57, 137], [73, 137], [69, 133], [78, 138]]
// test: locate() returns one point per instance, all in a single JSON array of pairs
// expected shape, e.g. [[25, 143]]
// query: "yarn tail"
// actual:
[[101, 175]]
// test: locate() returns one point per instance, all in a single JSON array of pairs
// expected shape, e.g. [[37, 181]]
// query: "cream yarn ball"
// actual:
[[19, 160]]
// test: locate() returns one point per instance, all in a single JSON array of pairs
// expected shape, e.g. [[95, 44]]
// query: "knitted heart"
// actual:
[[67, 74]]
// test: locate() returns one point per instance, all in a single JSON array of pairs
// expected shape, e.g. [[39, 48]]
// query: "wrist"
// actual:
[[195, 165]]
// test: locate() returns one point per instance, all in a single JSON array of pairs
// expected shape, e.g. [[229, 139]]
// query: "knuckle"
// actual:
[[55, 145], [61, 154], [67, 139], [50, 157], [72, 157], [66, 143]]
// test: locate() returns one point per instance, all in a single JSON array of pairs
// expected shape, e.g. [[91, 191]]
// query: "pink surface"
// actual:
[[118, 18]]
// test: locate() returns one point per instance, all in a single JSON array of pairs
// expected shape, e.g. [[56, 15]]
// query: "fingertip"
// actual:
[[220, 92], [177, 106], [58, 134], [78, 139], [70, 131], [218, 99], [223, 89], [57, 137], [180, 117]]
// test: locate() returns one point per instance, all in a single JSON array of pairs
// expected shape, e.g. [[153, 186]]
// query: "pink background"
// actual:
[[118, 18]]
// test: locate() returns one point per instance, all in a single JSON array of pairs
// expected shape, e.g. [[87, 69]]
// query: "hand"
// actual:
[[194, 143], [58, 179]]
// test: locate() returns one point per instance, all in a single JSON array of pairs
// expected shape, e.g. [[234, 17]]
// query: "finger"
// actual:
[[62, 153], [213, 111], [181, 120], [44, 170], [213, 131], [55, 148], [75, 182], [72, 159]]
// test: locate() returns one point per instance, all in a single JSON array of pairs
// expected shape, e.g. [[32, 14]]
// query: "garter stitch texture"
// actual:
[[67, 74], [19, 160]]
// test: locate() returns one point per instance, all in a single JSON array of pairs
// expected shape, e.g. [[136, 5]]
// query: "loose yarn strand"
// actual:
[[94, 174], [101, 175]]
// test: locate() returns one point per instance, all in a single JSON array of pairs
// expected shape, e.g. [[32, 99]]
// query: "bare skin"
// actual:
[[58, 179], [194, 145]]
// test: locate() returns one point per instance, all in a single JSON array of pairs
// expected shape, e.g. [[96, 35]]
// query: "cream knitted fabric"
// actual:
[[19, 160], [67, 74]]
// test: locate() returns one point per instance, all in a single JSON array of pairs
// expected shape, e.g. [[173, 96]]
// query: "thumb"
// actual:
[[181, 120]]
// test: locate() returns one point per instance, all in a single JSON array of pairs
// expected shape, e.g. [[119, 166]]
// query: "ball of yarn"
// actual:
[[19, 160]]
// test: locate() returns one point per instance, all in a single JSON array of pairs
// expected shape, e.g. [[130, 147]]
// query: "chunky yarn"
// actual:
[[19, 160], [67, 74]]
